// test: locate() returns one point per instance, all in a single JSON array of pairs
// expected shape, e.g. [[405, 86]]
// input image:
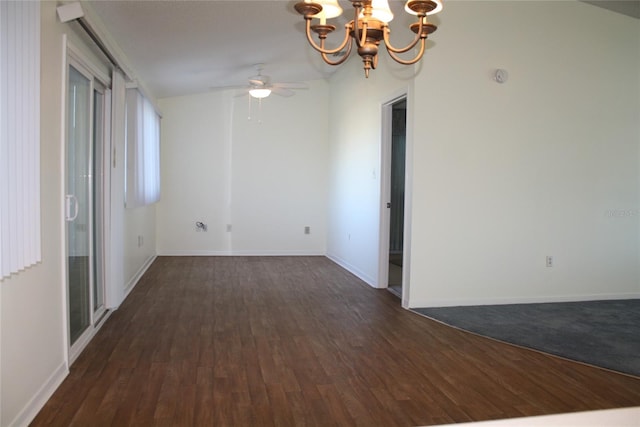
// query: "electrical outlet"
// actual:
[[549, 261], [307, 230]]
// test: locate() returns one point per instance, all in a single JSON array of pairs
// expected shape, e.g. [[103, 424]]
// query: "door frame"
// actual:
[[73, 56], [101, 178], [385, 193]]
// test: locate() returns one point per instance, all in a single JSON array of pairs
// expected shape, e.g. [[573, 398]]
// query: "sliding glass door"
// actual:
[[84, 203]]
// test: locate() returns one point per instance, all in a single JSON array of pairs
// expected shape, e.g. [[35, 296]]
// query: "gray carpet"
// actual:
[[600, 333]]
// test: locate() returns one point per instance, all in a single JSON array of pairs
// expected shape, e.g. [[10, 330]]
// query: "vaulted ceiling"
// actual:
[[626, 7], [184, 47]]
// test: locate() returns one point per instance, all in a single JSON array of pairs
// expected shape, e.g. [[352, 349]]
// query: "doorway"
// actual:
[[393, 257], [86, 116], [396, 196]]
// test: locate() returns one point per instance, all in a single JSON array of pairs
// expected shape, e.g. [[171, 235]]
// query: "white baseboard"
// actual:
[[242, 253], [353, 270], [623, 417], [136, 277], [432, 303], [41, 397]]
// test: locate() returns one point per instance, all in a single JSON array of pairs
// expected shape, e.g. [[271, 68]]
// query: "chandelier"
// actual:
[[370, 26]]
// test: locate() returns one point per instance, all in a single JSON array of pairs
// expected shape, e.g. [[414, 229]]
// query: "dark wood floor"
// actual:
[[298, 341]]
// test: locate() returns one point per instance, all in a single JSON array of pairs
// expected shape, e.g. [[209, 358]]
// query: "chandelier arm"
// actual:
[[363, 39], [321, 48], [410, 46], [360, 41], [340, 61], [410, 61]]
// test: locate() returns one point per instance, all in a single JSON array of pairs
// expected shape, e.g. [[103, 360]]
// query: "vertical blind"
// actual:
[[19, 135], [143, 151]]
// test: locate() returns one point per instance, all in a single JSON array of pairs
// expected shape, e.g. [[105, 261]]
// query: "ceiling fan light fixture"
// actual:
[[260, 92]]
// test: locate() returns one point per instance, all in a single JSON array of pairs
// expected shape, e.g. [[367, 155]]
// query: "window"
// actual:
[[143, 151]]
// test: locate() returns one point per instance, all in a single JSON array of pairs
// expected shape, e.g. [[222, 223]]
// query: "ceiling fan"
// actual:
[[260, 86]]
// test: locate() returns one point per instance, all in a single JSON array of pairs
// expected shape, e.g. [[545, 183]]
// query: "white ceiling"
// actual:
[[183, 47], [180, 47]]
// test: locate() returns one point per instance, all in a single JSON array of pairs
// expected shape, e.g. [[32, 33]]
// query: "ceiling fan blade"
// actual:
[[281, 91], [292, 85], [218, 88], [256, 82]]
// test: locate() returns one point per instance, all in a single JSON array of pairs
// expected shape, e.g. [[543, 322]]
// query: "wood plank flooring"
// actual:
[[298, 341]]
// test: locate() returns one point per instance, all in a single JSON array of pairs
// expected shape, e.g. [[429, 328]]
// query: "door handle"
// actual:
[[71, 200], [388, 205]]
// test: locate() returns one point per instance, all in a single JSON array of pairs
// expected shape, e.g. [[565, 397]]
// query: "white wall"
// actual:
[[139, 243], [354, 157], [511, 173], [266, 177], [32, 312], [504, 175], [32, 323]]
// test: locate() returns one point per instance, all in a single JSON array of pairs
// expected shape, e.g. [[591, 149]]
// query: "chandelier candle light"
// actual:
[[368, 28]]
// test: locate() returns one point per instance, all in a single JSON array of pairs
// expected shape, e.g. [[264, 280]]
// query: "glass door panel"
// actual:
[[78, 203], [98, 208]]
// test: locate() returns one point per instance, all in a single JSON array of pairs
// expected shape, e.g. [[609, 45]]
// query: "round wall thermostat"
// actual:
[[501, 75]]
